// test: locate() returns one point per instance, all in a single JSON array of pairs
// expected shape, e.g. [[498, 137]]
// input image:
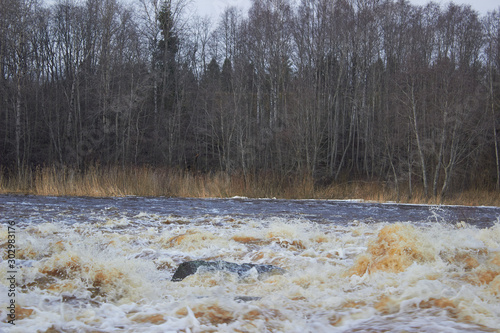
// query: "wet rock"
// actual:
[[240, 299], [191, 267]]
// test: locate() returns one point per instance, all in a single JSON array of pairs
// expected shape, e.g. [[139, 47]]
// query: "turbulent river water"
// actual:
[[105, 265]]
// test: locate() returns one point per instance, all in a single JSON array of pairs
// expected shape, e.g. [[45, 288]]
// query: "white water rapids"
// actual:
[[104, 265]]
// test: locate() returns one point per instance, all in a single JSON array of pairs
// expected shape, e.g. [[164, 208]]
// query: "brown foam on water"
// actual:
[[248, 239], [155, 319], [495, 259], [21, 313], [389, 305], [484, 276], [495, 286], [437, 302], [213, 314], [179, 239], [293, 245], [251, 242], [395, 248], [487, 274], [27, 253], [193, 240], [495, 283], [468, 260], [353, 304], [62, 266], [386, 305], [100, 278], [249, 319], [62, 287]]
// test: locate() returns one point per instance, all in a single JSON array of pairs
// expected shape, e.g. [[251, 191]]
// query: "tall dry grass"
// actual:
[[98, 181]]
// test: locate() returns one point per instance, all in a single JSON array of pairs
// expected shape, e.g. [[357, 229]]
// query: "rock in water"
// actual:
[[191, 267]]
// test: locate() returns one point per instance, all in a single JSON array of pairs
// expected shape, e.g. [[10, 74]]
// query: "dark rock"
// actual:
[[191, 267], [247, 298]]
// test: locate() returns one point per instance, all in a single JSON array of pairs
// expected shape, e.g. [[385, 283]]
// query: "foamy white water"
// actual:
[[108, 268]]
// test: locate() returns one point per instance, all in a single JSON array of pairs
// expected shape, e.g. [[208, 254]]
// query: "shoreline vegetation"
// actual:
[[328, 99], [147, 181]]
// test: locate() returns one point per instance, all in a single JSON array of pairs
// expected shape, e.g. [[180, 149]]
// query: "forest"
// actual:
[[337, 91]]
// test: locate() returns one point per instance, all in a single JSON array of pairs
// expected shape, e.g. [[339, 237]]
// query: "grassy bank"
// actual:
[[148, 181]]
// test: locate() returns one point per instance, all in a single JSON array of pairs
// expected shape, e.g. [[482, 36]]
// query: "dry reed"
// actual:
[[98, 181]]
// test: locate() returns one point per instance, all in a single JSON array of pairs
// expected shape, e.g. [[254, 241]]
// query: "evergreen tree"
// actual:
[[168, 47]]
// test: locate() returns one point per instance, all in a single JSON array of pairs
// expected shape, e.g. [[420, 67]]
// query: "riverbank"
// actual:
[[148, 181]]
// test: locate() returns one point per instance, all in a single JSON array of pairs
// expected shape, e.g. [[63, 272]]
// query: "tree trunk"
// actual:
[[419, 143], [18, 124]]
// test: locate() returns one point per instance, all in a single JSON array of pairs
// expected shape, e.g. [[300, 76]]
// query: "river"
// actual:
[[105, 265]]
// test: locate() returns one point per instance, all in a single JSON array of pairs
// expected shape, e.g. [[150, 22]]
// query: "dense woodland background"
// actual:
[[336, 89]]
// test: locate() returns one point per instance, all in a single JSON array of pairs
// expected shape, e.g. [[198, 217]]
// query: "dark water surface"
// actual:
[[39, 209]]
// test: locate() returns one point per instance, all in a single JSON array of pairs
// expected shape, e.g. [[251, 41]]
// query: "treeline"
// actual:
[[337, 89]]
